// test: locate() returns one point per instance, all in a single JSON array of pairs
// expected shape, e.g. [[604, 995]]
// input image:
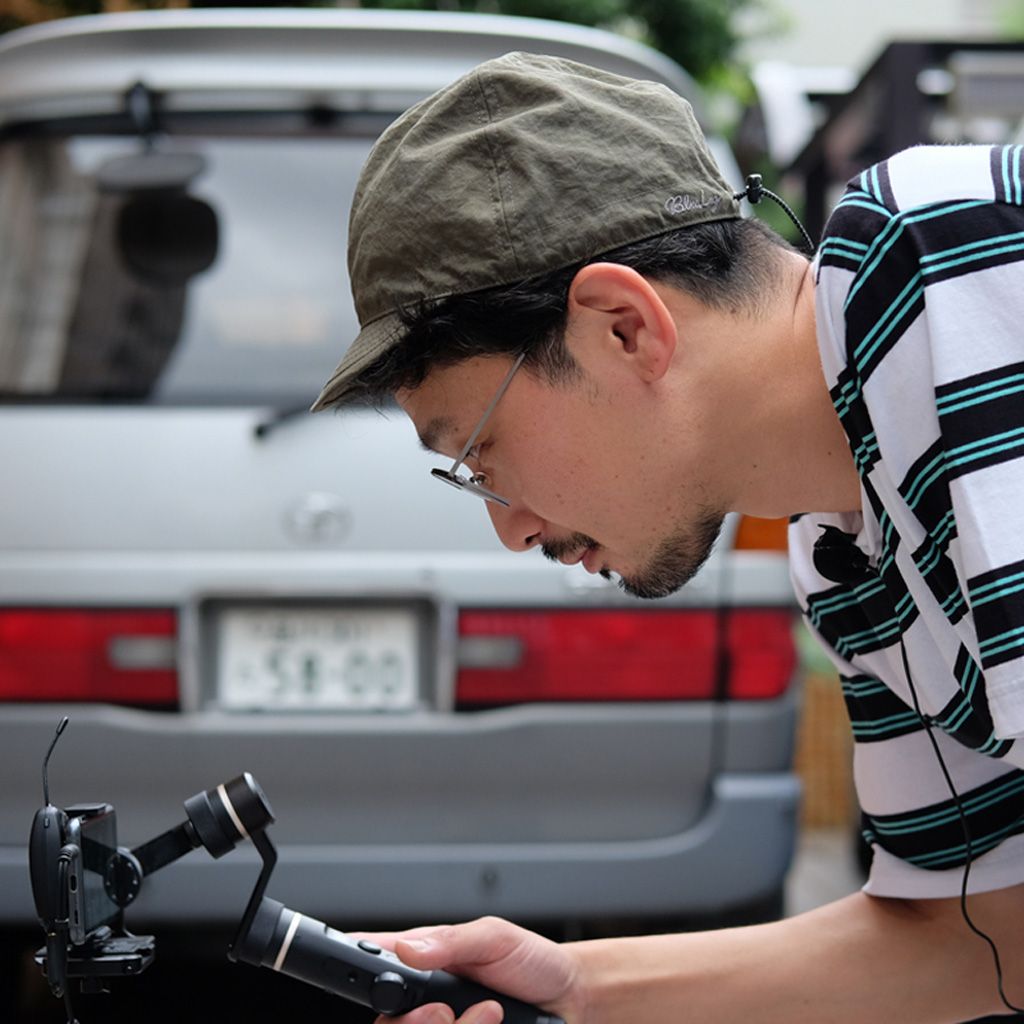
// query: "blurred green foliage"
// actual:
[[701, 35], [1011, 19]]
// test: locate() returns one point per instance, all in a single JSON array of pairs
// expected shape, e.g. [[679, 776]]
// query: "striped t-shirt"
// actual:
[[920, 319]]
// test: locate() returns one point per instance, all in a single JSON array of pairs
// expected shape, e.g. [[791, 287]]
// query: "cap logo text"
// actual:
[[682, 203]]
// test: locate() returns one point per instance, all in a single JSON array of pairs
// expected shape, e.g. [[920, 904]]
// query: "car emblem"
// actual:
[[319, 518]]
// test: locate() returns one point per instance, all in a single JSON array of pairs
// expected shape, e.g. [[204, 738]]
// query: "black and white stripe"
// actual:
[[920, 294]]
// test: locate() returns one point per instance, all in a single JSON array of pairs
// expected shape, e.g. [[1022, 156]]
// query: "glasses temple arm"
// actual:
[[487, 413]]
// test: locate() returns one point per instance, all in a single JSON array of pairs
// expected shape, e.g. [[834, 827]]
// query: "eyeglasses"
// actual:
[[476, 484]]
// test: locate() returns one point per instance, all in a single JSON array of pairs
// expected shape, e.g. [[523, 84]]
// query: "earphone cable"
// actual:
[[927, 721]]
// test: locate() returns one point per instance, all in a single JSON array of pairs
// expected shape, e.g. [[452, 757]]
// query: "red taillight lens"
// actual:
[[124, 657], [511, 656]]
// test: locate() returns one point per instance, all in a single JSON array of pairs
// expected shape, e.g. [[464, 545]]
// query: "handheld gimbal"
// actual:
[[82, 881]]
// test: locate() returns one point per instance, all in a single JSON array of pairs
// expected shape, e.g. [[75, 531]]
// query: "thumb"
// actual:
[[426, 952], [473, 944]]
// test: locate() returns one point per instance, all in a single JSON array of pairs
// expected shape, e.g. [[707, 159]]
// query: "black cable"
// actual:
[[927, 722]]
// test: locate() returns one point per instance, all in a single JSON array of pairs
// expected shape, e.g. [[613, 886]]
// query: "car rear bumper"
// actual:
[[370, 829]]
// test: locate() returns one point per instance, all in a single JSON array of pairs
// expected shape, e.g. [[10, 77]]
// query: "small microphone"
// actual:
[[837, 557]]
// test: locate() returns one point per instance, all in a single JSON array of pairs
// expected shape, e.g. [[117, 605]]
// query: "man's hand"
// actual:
[[494, 953]]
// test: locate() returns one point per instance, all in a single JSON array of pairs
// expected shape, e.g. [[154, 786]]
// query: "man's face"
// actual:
[[585, 466]]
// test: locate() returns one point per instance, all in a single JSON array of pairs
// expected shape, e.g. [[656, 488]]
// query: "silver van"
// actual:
[[208, 580]]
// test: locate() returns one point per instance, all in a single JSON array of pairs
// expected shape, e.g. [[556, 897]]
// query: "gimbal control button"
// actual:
[[387, 993], [368, 947]]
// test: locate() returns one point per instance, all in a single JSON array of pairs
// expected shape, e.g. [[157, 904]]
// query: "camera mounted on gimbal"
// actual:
[[82, 881]]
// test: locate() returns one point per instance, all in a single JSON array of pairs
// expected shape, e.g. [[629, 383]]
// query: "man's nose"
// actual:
[[517, 527]]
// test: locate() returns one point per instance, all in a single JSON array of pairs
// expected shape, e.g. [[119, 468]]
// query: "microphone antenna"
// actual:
[[46, 760]]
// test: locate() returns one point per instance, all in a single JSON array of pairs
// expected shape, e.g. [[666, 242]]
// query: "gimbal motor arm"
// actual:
[[219, 819]]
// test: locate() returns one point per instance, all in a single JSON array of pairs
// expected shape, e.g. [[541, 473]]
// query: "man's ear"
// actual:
[[619, 309]]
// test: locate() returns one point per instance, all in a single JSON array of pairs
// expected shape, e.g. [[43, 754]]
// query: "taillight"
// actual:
[[124, 657], [514, 656]]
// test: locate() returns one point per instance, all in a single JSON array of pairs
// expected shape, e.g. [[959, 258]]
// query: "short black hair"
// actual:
[[729, 265]]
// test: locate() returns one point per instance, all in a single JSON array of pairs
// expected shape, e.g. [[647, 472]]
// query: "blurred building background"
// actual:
[[836, 87]]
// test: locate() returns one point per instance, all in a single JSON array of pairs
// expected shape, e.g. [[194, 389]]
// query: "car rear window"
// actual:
[[229, 287]]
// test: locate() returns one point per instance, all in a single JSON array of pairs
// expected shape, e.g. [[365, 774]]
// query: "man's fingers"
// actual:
[[483, 1013], [432, 1013], [437, 1013]]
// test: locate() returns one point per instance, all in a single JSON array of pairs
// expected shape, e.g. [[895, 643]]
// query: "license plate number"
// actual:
[[353, 659]]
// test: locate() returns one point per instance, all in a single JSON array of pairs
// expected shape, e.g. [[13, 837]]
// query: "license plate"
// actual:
[[316, 658]]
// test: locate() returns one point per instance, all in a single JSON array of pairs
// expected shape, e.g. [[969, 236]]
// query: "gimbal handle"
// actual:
[[271, 935]]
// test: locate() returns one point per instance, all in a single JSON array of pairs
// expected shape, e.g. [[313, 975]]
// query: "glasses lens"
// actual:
[[465, 483]]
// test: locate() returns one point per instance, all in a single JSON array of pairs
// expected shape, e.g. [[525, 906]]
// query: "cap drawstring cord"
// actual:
[[754, 191]]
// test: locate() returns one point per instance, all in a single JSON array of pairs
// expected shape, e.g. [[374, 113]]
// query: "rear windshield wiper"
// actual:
[[270, 423]]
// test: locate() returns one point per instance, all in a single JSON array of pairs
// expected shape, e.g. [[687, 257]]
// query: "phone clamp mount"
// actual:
[[82, 881], [65, 857]]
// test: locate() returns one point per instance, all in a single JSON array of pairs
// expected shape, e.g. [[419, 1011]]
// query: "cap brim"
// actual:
[[372, 342]]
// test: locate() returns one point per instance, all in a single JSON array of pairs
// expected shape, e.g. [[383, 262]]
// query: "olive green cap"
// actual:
[[526, 165]]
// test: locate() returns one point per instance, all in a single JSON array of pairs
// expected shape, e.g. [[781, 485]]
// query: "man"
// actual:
[[554, 281]]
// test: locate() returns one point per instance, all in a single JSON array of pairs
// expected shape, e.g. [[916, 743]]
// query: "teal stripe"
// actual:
[[924, 478], [1007, 191], [978, 389], [994, 742], [1004, 435], [952, 603], [907, 300], [835, 250], [986, 452], [943, 528], [846, 600], [1001, 393], [1005, 641], [929, 562], [914, 283], [922, 822], [999, 251], [956, 716], [1002, 589], [969, 246], [898, 221], [864, 204], [1012, 787], [868, 447], [896, 226], [966, 453], [942, 212], [970, 679], [893, 724], [955, 855], [846, 243], [864, 689], [883, 629]]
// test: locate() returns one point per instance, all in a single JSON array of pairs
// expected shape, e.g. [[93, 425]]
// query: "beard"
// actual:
[[675, 561]]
